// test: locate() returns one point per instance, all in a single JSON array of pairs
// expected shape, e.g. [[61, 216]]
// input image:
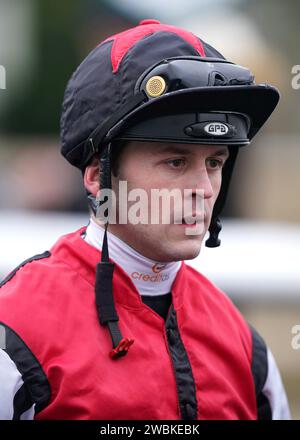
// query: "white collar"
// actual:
[[150, 277]]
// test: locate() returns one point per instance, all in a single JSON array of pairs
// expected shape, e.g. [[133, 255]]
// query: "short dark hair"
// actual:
[[116, 155]]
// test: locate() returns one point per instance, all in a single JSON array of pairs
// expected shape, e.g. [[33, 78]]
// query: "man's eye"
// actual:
[[176, 163], [215, 163]]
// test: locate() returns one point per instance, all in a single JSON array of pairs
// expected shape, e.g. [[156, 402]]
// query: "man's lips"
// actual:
[[191, 220]]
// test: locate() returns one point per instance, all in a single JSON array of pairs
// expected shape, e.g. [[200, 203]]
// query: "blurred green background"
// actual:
[[41, 44]]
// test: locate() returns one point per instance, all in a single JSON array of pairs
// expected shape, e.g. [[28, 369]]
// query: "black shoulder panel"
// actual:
[[260, 372], [45, 254], [36, 388]]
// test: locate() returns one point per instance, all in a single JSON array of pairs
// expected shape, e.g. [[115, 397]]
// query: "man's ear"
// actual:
[[91, 177]]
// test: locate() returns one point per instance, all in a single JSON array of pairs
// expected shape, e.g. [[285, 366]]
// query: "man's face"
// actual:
[[170, 166]]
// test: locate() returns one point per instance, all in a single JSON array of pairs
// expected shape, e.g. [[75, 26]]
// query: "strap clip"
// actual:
[[122, 348]]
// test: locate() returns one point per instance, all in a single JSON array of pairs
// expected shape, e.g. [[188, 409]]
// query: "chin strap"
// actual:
[[215, 224], [104, 275], [214, 230]]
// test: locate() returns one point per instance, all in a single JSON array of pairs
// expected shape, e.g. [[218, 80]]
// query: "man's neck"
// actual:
[[150, 277]]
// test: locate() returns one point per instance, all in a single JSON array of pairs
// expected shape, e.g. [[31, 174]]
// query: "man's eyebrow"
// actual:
[[222, 152], [174, 149], [182, 150]]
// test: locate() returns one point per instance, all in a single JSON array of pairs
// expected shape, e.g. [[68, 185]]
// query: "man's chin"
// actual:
[[187, 252], [192, 255]]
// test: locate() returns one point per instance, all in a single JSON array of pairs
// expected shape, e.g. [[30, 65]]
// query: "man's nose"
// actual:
[[202, 182]]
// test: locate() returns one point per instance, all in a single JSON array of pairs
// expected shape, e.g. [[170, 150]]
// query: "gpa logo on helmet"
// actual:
[[216, 128]]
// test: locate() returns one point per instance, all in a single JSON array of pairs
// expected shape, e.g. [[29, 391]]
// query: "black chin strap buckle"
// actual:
[[214, 230]]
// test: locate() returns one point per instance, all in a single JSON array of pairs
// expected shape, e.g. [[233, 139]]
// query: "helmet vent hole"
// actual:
[[219, 79]]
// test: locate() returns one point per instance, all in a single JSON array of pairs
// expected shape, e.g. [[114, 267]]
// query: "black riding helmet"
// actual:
[[157, 82]]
